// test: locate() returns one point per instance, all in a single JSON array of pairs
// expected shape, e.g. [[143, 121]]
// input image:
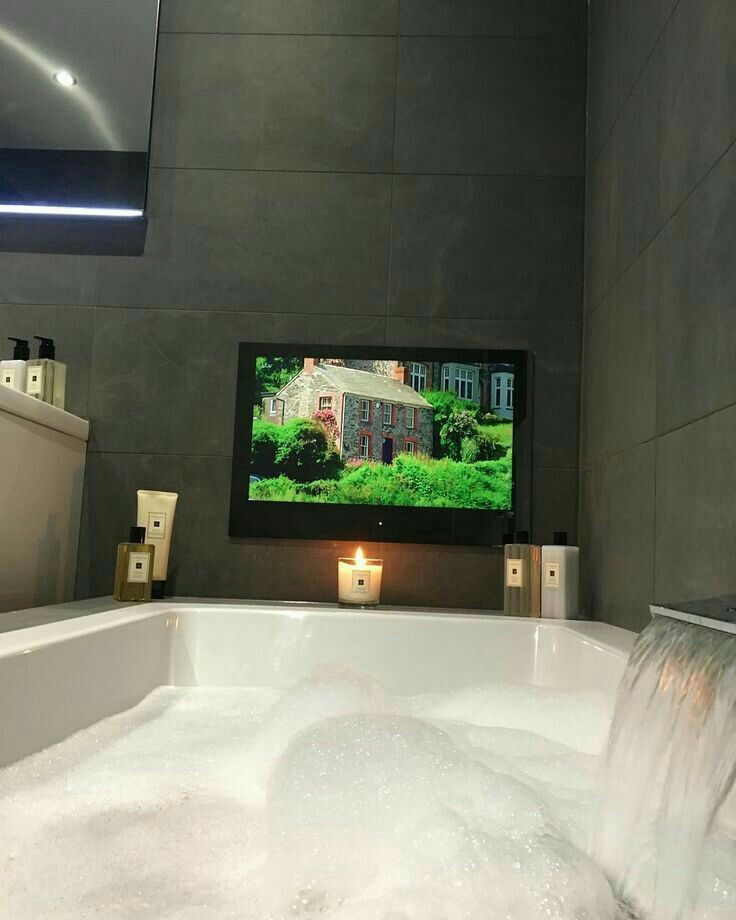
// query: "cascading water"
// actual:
[[670, 768]]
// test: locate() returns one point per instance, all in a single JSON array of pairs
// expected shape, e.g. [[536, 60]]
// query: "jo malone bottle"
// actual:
[[134, 568], [13, 372], [560, 579], [522, 577], [45, 376]]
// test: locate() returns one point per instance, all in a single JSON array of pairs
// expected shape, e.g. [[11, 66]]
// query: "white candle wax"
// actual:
[[359, 580]]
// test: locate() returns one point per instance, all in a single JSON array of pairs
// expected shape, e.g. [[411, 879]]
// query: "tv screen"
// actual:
[[375, 443]]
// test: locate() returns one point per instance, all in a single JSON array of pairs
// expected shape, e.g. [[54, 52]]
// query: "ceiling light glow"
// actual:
[[68, 211], [64, 78]]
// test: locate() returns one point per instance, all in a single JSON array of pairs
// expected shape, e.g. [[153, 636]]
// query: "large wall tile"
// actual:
[[319, 17], [556, 373], [697, 329], [698, 95], [205, 562], [51, 279], [290, 242], [555, 505], [274, 102], [617, 538], [486, 247], [490, 106], [696, 497], [493, 17], [623, 188], [620, 360], [623, 34], [163, 381], [70, 328]]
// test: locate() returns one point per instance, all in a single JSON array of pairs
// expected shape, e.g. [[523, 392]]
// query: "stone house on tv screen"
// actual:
[[378, 414], [491, 386]]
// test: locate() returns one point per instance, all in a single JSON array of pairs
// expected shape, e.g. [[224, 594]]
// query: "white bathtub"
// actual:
[[62, 676]]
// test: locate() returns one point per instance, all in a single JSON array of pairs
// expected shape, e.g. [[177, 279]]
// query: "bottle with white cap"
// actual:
[[560, 567]]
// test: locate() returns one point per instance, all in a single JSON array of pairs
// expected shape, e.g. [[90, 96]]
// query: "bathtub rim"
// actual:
[[111, 615]]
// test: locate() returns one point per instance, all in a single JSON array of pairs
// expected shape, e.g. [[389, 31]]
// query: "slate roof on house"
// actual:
[[370, 386]]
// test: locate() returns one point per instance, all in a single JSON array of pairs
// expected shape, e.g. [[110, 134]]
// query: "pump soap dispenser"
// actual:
[[46, 377], [13, 372]]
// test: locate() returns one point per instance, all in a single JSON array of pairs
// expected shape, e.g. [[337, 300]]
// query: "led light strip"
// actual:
[[73, 212]]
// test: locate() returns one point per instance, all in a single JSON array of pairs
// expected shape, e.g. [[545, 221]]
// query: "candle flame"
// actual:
[[359, 556]]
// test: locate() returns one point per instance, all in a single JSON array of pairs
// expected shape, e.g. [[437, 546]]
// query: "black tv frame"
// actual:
[[380, 523]]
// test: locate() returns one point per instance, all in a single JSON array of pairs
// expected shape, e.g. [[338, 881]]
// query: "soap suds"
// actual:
[[329, 801]]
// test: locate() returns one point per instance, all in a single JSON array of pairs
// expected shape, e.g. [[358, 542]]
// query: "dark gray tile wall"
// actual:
[[357, 171], [658, 451]]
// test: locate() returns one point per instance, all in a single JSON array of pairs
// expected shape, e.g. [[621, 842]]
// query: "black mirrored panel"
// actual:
[[75, 108]]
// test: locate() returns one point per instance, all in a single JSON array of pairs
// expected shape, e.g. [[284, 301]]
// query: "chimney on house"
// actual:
[[401, 373], [309, 365]]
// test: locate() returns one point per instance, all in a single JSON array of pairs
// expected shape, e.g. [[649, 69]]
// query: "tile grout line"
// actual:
[[252, 314], [664, 226], [660, 33], [393, 179], [552, 37], [660, 435], [363, 172]]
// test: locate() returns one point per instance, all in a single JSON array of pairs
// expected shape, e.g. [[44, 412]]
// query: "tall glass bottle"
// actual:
[[522, 577]]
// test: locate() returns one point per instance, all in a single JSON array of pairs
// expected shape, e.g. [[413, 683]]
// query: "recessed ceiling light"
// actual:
[[64, 78]]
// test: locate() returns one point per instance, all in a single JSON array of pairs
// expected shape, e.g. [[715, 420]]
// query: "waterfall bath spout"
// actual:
[[671, 767]]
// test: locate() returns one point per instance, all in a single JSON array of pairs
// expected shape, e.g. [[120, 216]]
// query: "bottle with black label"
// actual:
[[45, 376], [134, 568], [560, 566], [522, 574], [13, 371]]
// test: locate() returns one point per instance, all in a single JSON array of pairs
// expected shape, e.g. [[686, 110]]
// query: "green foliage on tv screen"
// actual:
[[299, 450], [275, 372], [412, 481]]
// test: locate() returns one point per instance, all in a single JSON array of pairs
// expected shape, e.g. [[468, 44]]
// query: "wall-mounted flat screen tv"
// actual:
[[389, 444]]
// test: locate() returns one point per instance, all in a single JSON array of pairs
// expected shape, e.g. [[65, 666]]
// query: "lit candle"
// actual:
[[359, 580]]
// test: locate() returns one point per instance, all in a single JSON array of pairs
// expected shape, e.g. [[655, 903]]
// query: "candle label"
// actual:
[[361, 581]]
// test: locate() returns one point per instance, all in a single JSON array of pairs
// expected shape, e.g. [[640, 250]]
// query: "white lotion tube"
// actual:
[[156, 512]]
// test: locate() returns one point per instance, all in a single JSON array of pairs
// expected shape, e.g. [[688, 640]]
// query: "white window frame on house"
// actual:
[[272, 406], [445, 378], [388, 409], [464, 383], [327, 400], [411, 414], [365, 410], [409, 447], [502, 386], [496, 402], [364, 447], [418, 376]]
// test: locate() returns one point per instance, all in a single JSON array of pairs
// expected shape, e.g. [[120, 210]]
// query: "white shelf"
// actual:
[[35, 410]]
